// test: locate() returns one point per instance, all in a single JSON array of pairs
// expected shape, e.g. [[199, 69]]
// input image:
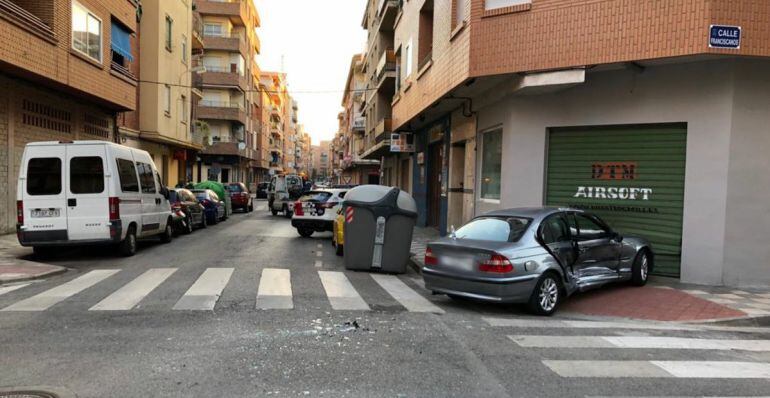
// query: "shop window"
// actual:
[[86, 32], [491, 164]]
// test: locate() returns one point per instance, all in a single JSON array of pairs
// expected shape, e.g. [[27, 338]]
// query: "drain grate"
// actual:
[[27, 394]]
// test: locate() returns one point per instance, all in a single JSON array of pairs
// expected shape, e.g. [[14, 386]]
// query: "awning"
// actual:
[[121, 41]]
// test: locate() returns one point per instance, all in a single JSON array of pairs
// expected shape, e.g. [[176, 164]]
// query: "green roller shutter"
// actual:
[[631, 176]]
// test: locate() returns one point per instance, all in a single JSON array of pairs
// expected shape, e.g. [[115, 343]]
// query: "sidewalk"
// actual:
[[662, 299], [14, 268]]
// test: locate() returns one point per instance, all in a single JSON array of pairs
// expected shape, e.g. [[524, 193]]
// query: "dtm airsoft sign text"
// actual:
[[613, 171], [725, 37]]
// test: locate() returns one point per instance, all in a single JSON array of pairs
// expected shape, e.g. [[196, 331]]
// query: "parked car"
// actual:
[[338, 233], [316, 210], [240, 197], [262, 190], [192, 211], [89, 192], [214, 207], [282, 192], [537, 256]]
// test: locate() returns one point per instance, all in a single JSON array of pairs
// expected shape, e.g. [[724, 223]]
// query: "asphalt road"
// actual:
[[120, 336]]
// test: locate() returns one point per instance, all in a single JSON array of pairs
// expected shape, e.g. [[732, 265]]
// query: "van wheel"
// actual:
[[274, 211], [204, 220], [189, 228], [42, 251], [128, 246], [286, 212], [546, 297], [168, 233]]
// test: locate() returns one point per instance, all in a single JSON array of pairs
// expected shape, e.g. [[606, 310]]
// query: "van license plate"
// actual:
[[44, 213]]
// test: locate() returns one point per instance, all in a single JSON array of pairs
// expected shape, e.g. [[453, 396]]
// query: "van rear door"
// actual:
[[87, 195], [42, 194]]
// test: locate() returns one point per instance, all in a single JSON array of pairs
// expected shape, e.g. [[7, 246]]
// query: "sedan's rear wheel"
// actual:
[[305, 232], [188, 225], [641, 269], [546, 296]]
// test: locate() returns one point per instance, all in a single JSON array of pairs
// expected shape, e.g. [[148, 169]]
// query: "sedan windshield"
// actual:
[[497, 229], [315, 196]]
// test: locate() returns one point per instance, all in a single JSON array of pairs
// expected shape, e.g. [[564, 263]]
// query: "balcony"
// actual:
[[236, 10], [197, 33], [222, 110], [276, 129], [276, 148], [387, 10], [385, 74], [276, 112], [358, 125], [233, 42], [229, 148], [383, 129], [224, 76]]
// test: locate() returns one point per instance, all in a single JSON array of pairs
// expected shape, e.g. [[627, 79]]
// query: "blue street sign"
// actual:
[[725, 36]]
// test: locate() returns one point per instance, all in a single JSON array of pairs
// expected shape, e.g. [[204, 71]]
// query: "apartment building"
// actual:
[[322, 160], [228, 117], [303, 151], [273, 85], [351, 136], [291, 136], [587, 104], [67, 71], [167, 36]]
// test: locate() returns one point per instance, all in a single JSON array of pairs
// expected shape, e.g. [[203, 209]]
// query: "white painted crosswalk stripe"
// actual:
[[205, 292], [341, 293], [662, 369], [275, 289], [407, 297], [128, 296], [569, 324], [8, 289], [642, 342], [50, 297]]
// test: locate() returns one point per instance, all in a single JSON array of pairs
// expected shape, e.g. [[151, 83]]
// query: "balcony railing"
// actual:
[[387, 63], [383, 128], [221, 104]]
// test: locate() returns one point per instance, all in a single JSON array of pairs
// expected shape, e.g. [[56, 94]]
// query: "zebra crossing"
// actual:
[[274, 291], [596, 345]]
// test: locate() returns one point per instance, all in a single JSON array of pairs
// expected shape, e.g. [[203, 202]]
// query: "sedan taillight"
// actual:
[[496, 263], [430, 259], [298, 208]]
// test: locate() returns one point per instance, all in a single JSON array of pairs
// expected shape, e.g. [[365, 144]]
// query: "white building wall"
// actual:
[[700, 94]]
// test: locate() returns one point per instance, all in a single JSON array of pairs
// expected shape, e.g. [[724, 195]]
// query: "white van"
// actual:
[[282, 192], [89, 192]]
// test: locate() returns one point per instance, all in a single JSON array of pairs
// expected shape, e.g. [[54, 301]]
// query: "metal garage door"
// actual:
[[631, 176]]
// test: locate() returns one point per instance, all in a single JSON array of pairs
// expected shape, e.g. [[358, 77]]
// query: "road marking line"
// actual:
[[275, 289], [646, 342], [410, 299], [319, 254], [320, 246], [536, 323], [128, 296], [8, 289], [341, 293], [666, 369], [318, 263], [205, 292], [48, 298]]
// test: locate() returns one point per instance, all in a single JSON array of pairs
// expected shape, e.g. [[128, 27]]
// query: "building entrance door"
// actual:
[[435, 163]]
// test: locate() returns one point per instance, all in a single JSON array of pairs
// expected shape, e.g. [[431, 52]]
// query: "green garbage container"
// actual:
[[379, 222]]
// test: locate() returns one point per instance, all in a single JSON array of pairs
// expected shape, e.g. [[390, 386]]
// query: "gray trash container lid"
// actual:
[[380, 196]]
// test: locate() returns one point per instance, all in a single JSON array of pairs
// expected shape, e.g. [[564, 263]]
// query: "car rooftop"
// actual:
[[530, 212]]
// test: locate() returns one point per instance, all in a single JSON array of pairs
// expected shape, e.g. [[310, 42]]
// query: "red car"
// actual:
[[240, 197]]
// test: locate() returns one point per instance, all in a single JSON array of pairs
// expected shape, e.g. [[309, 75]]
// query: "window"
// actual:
[[554, 229], [120, 44], [590, 229], [458, 11], [44, 176], [86, 174], [491, 164], [494, 229], [86, 32], [316, 197], [425, 40], [169, 32], [408, 59], [127, 175], [211, 29], [184, 49], [146, 178], [495, 4], [167, 99], [183, 110]]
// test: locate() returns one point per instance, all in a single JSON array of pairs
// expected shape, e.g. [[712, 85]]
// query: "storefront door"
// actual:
[[435, 163]]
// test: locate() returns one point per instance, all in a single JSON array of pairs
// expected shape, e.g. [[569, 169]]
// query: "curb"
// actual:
[[58, 270], [415, 263]]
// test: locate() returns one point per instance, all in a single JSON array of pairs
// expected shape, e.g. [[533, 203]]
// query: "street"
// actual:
[[143, 326]]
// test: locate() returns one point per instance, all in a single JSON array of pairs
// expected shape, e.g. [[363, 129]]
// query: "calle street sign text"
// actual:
[[725, 37]]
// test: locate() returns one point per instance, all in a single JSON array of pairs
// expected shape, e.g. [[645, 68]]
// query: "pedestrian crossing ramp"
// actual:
[[273, 292]]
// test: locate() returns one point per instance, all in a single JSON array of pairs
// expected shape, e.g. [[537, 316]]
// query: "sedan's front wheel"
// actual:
[[546, 296], [641, 269]]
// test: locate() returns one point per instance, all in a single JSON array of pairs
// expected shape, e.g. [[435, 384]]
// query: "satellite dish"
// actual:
[[241, 146]]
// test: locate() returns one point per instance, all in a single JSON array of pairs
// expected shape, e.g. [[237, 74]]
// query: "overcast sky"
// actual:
[[316, 39]]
